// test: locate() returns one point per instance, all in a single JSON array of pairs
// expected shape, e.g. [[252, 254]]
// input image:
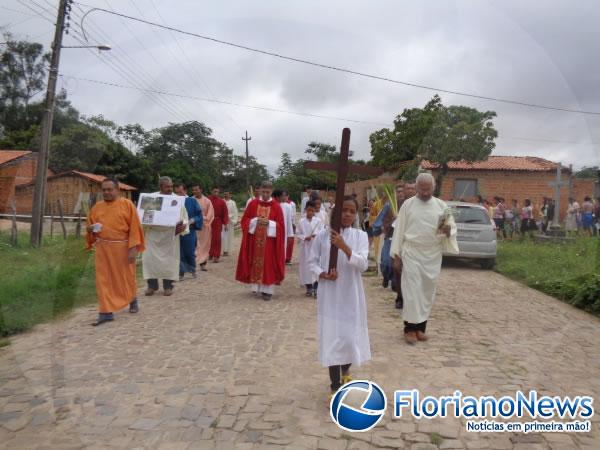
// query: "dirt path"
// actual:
[[214, 367]]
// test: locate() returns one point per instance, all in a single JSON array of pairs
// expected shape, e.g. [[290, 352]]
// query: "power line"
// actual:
[[122, 65], [335, 68], [17, 11], [159, 101], [223, 102], [36, 12], [146, 78], [183, 70], [197, 74], [319, 116]]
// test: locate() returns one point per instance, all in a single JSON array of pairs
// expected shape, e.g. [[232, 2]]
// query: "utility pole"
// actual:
[[39, 196], [247, 161]]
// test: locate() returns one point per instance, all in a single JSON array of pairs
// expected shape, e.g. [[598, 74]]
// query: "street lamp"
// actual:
[[101, 47]]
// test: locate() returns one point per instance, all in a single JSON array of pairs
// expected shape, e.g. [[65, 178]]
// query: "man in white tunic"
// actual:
[[341, 304], [423, 229], [228, 233], [161, 258]]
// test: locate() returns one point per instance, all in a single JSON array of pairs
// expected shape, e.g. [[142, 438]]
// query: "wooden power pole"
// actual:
[[39, 196], [247, 160]]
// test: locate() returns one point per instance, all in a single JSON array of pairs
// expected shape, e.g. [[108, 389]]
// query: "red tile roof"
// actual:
[[89, 176], [504, 163], [97, 178], [9, 155]]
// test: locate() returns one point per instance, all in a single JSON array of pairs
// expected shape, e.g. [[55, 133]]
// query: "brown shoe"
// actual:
[[410, 337], [421, 336], [168, 292], [149, 292], [216, 260]]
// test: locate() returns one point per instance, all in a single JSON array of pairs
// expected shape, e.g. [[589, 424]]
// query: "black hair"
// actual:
[[113, 180], [310, 204], [351, 198], [182, 184], [277, 193]]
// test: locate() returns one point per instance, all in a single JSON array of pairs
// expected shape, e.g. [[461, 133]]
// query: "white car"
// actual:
[[476, 233]]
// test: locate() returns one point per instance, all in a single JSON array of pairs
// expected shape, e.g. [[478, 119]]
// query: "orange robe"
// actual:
[[205, 234], [121, 230]]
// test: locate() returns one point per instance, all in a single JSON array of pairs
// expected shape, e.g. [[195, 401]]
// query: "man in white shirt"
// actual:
[[424, 223]]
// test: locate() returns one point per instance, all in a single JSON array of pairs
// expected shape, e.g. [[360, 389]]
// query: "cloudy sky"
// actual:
[[530, 51]]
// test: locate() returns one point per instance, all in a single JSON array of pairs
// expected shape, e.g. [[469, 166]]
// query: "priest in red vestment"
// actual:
[[220, 222], [261, 261]]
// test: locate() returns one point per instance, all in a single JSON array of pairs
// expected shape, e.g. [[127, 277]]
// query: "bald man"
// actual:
[[423, 223]]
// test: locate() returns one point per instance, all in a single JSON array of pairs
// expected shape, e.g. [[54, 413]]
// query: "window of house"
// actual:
[[465, 189]]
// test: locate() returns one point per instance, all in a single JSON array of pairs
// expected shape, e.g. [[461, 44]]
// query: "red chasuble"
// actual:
[[262, 258], [221, 218]]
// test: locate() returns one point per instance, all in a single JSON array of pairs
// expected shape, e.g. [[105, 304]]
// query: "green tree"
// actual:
[[286, 167], [436, 133], [22, 72], [78, 146], [588, 172]]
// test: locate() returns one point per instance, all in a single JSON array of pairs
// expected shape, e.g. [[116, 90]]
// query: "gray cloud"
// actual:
[[530, 51]]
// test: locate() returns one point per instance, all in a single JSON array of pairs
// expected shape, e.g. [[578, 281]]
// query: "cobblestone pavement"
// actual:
[[214, 367]]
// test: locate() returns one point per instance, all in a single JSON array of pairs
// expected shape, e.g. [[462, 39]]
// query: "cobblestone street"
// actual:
[[214, 367]]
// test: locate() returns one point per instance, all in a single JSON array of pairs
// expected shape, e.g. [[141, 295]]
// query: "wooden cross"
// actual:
[[557, 185], [342, 168]]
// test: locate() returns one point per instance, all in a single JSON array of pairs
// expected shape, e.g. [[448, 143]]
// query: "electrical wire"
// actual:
[[335, 68]]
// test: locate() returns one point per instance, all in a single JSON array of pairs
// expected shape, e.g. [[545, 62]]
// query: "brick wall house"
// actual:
[[17, 167], [74, 188], [511, 177]]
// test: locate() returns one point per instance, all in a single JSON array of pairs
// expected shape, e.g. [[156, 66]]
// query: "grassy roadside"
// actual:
[[38, 285], [570, 272]]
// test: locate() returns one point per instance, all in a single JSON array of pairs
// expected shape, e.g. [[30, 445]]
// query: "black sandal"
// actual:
[[101, 321]]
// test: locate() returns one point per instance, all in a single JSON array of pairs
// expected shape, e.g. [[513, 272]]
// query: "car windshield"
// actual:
[[468, 214]]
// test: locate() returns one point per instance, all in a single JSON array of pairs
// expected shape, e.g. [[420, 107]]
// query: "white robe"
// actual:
[[417, 242], [323, 216], [341, 305], [227, 236], [161, 259], [305, 229], [288, 219]]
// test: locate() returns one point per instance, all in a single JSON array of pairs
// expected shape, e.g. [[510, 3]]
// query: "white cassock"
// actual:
[[294, 211], [160, 260], [305, 229], [417, 242], [341, 304], [322, 216], [288, 221], [305, 199], [227, 236]]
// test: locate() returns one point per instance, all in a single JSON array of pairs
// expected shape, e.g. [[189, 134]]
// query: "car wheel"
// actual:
[[488, 264]]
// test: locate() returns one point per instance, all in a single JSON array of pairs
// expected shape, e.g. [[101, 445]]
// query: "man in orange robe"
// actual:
[[205, 234], [114, 229]]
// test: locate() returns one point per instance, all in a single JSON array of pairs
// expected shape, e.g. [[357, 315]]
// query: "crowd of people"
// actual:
[[203, 233], [413, 234], [515, 220]]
